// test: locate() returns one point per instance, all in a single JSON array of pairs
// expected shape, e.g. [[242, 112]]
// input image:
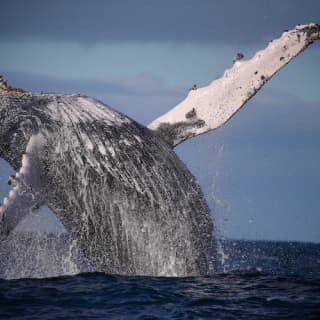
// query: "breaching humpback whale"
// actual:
[[121, 192]]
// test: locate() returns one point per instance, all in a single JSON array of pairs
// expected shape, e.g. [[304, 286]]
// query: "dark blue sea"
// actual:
[[254, 280]]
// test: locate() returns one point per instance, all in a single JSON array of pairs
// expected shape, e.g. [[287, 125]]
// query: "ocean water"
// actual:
[[254, 280]]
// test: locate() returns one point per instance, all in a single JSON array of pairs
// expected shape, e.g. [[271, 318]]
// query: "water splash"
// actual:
[[40, 247], [222, 210]]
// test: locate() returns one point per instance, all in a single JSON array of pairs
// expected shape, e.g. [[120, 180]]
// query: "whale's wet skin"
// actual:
[[96, 191], [122, 194]]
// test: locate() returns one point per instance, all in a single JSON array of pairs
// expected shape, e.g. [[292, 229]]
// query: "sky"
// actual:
[[259, 172]]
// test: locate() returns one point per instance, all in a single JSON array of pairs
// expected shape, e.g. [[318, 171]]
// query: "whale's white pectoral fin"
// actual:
[[207, 108], [26, 195]]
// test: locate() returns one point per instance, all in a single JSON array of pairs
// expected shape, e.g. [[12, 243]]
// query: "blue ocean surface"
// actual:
[[254, 280]]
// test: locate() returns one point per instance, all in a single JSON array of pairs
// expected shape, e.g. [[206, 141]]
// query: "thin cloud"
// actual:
[[144, 83], [229, 21]]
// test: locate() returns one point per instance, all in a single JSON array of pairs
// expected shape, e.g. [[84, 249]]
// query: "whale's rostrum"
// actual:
[[127, 201]]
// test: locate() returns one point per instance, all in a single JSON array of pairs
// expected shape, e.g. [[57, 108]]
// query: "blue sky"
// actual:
[[260, 171]]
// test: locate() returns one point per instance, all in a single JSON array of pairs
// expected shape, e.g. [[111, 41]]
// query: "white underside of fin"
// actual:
[[26, 194], [210, 107]]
